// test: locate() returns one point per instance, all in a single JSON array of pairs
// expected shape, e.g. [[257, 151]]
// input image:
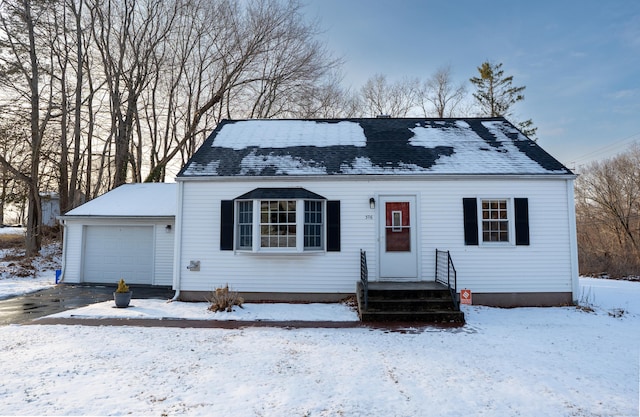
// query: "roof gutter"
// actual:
[[115, 217], [374, 177]]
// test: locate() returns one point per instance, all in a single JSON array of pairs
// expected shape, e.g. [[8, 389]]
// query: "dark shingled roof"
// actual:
[[276, 147]]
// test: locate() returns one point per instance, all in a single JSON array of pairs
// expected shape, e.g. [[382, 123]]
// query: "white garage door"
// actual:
[[114, 252]]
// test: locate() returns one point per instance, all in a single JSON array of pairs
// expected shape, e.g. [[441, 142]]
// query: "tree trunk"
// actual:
[[33, 240]]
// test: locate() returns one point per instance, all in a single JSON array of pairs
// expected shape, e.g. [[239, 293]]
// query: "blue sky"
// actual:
[[579, 60]]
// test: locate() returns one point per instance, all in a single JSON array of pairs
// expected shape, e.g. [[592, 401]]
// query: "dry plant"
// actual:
[[11, 241], [222, 299], [122, 286]]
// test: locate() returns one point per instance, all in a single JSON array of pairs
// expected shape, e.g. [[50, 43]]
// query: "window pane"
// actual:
[[495, 221], [278, 224], [245, 224], [313, 228]]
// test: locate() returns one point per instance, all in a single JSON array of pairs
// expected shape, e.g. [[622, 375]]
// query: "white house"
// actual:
[[280, 209], [126, 233]]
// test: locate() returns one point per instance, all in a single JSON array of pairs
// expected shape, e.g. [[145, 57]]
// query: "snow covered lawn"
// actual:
[[503, 362], [44, 274], [161, 309], [12, 287]]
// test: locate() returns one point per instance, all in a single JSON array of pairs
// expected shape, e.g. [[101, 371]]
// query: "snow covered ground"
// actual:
[[44, 274], [161, 309], [562, 361]]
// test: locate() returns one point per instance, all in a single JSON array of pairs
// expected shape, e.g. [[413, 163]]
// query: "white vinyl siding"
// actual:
[[542, 266], [163, 253], [72, 253]]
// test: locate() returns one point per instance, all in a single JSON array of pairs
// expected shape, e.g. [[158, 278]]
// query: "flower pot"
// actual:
[[122, 299]]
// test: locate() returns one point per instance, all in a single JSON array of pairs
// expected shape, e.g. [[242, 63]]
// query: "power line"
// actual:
[[607, 148]]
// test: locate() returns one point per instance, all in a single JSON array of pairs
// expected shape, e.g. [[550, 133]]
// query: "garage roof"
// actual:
[[132, 200]]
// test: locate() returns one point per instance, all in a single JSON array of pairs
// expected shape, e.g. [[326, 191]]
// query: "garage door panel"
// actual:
[[114, 252]]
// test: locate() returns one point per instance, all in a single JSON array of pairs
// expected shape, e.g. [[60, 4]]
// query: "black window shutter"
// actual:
[[333, 226], [470, 209], [521, 207], [226, 225]]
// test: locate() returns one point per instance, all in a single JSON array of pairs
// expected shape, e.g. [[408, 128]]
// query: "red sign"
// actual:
[[465, 296]]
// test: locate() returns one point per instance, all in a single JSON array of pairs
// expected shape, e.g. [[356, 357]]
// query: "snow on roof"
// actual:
[[287, 133], [383, 146], [135, 200], [472, 152]]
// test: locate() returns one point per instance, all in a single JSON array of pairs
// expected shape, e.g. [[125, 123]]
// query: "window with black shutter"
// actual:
[[495, 221], [280, 220]]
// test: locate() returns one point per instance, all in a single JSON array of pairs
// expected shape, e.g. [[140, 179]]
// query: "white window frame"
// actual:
[[322, 224], [396, 227], [510, 222], [256, 245], [237, 235]]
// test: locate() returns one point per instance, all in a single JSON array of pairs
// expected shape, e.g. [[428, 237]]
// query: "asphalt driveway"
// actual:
[[24, 308]]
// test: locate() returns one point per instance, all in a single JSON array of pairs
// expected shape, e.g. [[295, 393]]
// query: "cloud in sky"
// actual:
[[625, 94]]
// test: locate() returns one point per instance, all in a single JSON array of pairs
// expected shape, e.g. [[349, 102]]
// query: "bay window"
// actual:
[[280, 225]]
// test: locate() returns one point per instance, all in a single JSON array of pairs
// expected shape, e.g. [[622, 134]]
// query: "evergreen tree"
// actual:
[[528, 129], [495, 94]]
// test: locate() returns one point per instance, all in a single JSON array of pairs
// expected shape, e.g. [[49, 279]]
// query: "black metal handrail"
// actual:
[[446, 274], [364, 277]]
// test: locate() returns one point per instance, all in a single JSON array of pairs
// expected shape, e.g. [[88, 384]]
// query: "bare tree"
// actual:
[[14, 150], [379, 97], [63, 47], [128, 36], [440, 93], [25, 77], [247, 60], [136, 86], [328, 100], [73, 185], [608, 215]]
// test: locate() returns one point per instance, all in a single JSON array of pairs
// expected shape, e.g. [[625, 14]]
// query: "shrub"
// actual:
[[122, 286], [222, 299]]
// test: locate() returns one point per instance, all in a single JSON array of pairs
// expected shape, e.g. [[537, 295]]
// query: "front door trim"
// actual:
[[398, 265]]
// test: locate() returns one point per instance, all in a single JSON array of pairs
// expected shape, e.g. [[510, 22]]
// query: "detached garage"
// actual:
[[126, 233]]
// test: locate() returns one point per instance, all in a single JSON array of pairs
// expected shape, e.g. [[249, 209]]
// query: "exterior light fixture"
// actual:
[[372, 203], [167, 228]]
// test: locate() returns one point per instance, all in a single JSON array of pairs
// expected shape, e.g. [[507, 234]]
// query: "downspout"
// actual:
[[177, 243], [63, 267], [571, 206]]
